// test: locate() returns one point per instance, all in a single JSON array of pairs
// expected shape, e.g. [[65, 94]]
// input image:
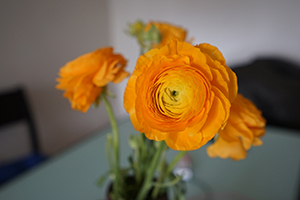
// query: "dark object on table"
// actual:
[[274, 86], [14, 108]]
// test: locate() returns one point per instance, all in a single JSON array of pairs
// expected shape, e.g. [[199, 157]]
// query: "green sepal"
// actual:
[[134, 29]]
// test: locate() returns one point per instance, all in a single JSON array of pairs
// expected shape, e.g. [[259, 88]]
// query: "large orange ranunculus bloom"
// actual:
[[181, 94], [84, 78], [167, 32], [244, 128]]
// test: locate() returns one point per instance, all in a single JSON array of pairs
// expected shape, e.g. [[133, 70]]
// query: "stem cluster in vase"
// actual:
[[149, 175]]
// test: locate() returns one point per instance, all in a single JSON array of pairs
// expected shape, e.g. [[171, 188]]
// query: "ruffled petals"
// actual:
[[83, 79], [179, 94]]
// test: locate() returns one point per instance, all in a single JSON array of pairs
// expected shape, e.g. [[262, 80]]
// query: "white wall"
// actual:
[[37, 37], [241, 29]]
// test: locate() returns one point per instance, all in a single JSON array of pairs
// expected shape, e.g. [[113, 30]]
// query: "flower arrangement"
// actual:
[[179, 96]]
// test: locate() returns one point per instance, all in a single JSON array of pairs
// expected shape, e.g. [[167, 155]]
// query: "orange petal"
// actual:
[[216, 118], [213, 52], [183, 141], [224, 149]]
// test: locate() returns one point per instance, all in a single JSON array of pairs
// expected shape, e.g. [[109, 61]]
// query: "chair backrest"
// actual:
[[13, 108]]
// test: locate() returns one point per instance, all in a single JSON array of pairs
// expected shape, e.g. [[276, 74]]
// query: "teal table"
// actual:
[[271, 171]]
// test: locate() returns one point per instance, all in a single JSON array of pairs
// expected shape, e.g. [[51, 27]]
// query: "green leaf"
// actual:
[[167, 184], [102, 179], [133, 142]]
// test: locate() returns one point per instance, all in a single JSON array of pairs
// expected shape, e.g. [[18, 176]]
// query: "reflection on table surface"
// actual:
[[270, 171]]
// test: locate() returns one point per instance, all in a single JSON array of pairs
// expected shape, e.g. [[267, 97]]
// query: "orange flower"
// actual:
[[181, 94], [84, 78], [244, 128], [167, 32]]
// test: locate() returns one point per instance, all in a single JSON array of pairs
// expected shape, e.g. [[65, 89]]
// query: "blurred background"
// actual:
[[38, 37]]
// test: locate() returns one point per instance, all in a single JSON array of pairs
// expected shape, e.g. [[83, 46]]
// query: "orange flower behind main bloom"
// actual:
[[181, 94], [83, 79], [167, 32], [244, 128]]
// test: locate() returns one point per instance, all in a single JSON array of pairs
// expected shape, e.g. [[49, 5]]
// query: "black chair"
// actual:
[[14, 108], [274, 86]]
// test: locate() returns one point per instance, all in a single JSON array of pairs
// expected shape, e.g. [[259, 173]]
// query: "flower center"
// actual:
[[175, 93]]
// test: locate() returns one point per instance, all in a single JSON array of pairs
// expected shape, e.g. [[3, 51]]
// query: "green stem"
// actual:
[[160, 179], [168, 171], [140, 155], [115, 132], [168, 184], [147, 184], [174, 162]]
